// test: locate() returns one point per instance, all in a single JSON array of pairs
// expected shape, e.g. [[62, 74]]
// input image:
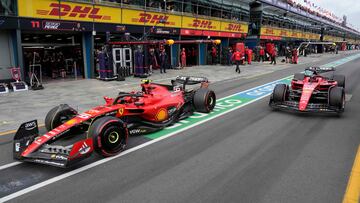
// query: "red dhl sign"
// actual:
[[269, 31], [283, 33], [234, 27], [77, 11], [294, 34], [207, 24], [152, 19]]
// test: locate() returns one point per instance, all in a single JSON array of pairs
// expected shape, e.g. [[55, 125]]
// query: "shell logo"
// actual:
[[161, 115], [71, 122]]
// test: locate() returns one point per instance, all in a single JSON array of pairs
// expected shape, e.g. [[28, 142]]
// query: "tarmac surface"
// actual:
[[252, 154]]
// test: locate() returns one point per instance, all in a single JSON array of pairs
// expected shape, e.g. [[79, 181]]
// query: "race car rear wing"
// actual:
[[321, 69], [190, 80]]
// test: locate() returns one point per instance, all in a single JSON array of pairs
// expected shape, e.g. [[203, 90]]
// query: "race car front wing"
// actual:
[[48, 154], [311, 107]]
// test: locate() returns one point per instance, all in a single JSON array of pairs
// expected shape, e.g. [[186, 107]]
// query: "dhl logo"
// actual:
[[269, 31], [76, 11], [153, 19], [202, 24], [234, 27], [283, 33]]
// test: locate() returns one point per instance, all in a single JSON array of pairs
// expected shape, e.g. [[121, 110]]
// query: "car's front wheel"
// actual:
[[280, 93], [109, 135], [337, 98]]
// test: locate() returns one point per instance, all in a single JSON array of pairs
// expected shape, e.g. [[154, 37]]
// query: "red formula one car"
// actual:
[[72, 137], [311, 91]]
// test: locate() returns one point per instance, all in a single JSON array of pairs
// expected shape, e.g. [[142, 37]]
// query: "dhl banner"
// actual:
[[52, 9], [234, 27], [279, 32], [200, 24], [135, 17], [332, 38]]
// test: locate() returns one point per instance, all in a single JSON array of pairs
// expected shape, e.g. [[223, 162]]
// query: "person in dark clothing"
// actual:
[[139, 62], [163, 61], [287, 55], [153, 62], [230, 53]]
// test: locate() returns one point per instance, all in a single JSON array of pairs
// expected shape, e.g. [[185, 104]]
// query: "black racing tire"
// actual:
[[337, 97], [109, 135], [59, 115], [204, 100], [280, 92], [299, 76], [340, 79]]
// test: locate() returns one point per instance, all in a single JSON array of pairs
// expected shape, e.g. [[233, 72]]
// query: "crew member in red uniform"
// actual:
[[294, 56], [237, 56], [262, 54], [273, 56], [213, 55], [183, 58], [249, 56]]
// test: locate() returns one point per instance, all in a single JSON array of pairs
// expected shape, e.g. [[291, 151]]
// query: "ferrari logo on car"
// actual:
[[121, 111]]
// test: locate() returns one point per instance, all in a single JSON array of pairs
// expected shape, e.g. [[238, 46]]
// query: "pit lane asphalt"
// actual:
[[250, 155]]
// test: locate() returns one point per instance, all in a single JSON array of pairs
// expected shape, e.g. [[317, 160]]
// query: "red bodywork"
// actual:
[[151, 106], [308, 86]]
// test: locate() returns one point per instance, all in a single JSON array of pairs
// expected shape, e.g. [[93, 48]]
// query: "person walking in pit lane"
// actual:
[[237, 58], [273, 56]]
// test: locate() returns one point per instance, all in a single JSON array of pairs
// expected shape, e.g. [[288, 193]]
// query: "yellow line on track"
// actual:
[[14, 131], [352, 193]]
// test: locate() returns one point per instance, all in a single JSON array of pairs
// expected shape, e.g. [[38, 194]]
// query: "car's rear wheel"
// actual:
[[204, 100], [337, 97], [340, 79], [109, 135], [299, 76], [280, 92], [59, 115]]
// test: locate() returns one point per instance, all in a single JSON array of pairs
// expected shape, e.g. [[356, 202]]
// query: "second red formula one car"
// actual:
[[311, 91], [72, 137]]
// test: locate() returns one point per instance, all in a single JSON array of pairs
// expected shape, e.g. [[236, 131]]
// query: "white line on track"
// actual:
[[10, 165]]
